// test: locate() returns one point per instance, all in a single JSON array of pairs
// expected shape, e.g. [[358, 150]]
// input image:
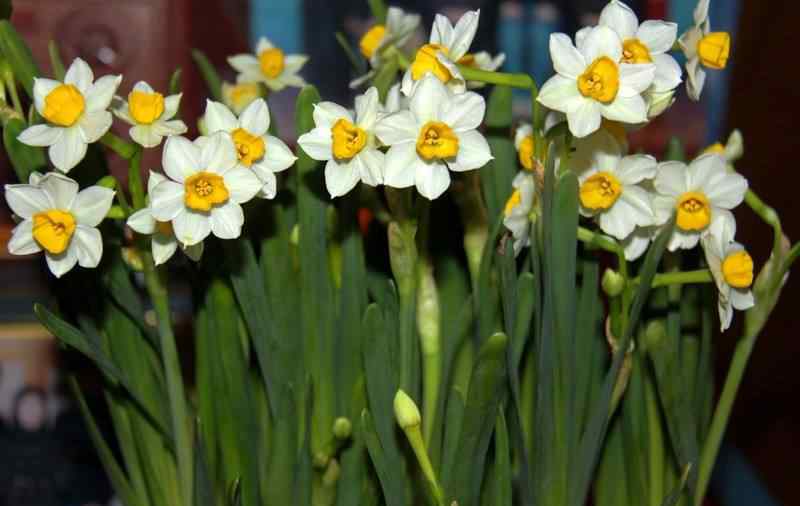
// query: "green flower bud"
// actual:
[[405, 411], [613, 283], [342, 428]]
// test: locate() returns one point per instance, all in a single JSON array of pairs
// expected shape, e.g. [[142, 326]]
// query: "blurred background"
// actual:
[[47, 459]]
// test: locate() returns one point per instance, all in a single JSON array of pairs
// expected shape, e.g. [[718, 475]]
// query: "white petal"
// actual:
[[442, 31], [658, 36], [397, 128], [371, 164], [580, 38], [166, 200], [432, 179], [244, 63], [705, 169], [163, 247], [99, 95], [728, 190], [725, 309], [169, 128], [94, 125], [92, 204], [218, 154], [171, 105], [40, 135], [340, 178], [567, 60], [620, 18], [668, 73], [602, 41], [584, 119], [255, 118], [69, 150], [400, 162], [635, 168], [62, 263], [145, 135], [227, 220], [626, 109], [219, 118], [26, 200], [22, 241], [368, 107], [671, 179], [181, 158], [318, 143], [636, 244], [60, 189], [429, 96], [742, 299], [463, 34], [269, 183], [473, 152], [637, 205], [80, 75], [328, 113], [524, 130], [464, 112], [88, 244], [242, 184], [143, 86], [153, 179], [664, 208], [561, 93], [277, 155], [142, 221], [294, 62], [194, 251], [615, 222], [192, 227], [634, 79], [41, 88], [696, 79]]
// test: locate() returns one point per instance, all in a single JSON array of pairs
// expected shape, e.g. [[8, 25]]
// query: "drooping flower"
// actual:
[[150, 114], [517, 214], [732, 150], [205, 189], [163, 243], [256, 150], [525, 145], [60, 220], [703, 48], [610, 185], [75, 112], [347, 143], [269, 66], [238, 96], [438, 132], [446, 46], [591, 83], [700, 194], [732, 269], [399, 27]]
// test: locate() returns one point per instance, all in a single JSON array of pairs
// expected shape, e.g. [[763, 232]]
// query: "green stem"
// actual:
[[523, 81], [123, 148], [8, 77], [768, 215], [418, 445], [135, 179], [791, 257], [680, 278]]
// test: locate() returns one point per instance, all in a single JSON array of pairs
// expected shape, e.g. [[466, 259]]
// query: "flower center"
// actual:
[[249, 148], [425, 61], [371, 40], [53, 230], [204, 190], [348, 139], [600, 81], [165, 228], [633, 51], [717, 148], [714, 49], [600, 191], [64, 105], [694, 211], [513, 201], [467, 60], [271, 61], [437, 141], [145, 107], [737, 268], [526, 149], [241, 95]]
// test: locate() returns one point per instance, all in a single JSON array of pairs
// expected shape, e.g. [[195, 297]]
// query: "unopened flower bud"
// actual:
[[613, 283], [405, 411], [342, 428]]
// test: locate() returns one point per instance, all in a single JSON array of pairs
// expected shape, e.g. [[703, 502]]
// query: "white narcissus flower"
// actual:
[[205, 189], [591, 84], [270, 66], [438, 132], [348, 144], [256, 150], [75, 111], [163, 243], [525, 145], [637, 243], [699, 194], [395, 100], [239, 96], [732, 150], [399, 27], [703, 48], [60, 220], [518, 209], [610, 185], [151, 115], [447, 45], [732, 269]]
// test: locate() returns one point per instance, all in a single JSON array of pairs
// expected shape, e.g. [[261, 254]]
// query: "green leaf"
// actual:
[[394, 494], [499, 475], [355, 60], [5, 9], [385, 78], [176, 82], [497, 175], [673, 498], [55, 61], [378, 9], [209, 73], [19, 56], [25, 159]]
